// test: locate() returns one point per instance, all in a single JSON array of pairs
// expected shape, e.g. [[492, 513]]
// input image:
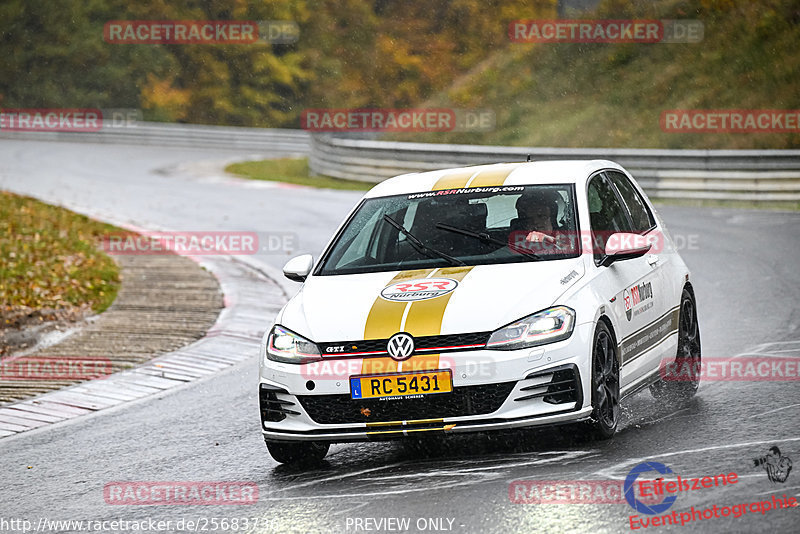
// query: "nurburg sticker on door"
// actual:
[[421, 289]]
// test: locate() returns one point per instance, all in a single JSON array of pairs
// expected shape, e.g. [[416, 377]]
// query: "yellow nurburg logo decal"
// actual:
[[424, 317]]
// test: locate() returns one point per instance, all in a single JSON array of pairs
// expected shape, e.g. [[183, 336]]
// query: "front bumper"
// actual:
[[493, 390]]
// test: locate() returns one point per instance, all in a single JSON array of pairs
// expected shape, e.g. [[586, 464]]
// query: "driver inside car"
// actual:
[[536, 218]]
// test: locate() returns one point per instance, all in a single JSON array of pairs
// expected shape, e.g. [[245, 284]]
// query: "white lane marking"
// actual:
[[793, 342], [760, 351], [394, 476], [370, 493], [481, 469], [605, 472], [662, 418], [451, 476], [351, 509], [338, 477], [782, 490], [775, 410], [759, 475], [754, 352]]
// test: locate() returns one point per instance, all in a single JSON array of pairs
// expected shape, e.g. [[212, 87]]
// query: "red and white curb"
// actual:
[[252, 299]]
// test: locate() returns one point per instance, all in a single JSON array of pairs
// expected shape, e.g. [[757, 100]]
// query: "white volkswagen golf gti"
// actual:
[[478, 299]]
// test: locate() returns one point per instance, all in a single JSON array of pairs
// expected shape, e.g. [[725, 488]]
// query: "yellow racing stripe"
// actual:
[[425, 319], [455, 180], [384, 320], [493, 177]]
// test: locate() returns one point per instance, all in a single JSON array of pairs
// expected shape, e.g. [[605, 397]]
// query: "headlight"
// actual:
[[285, 346], [548, 326]]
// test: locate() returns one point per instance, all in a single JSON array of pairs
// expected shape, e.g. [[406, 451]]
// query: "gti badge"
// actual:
[[400, 346]]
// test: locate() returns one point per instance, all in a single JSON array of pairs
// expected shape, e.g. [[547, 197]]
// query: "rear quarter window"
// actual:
[[641, 215]]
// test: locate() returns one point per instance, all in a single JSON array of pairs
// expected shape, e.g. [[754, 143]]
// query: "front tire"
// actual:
[[686, 368], [605, 384], [301, 452]]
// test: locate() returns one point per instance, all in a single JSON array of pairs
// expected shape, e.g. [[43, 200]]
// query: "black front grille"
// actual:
[[272, 408], [343, 348], [466, 400]]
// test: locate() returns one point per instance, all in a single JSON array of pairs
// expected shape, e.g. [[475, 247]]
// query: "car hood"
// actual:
[[454, 300]]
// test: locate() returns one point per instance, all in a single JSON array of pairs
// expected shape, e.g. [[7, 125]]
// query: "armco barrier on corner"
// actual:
[[746, 175], [743, 175]]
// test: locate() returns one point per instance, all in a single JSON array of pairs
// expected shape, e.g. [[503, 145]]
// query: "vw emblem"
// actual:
[[400, 347]]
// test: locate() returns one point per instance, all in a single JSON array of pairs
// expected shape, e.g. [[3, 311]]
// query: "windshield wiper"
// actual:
[[419, 246], [486, 238]]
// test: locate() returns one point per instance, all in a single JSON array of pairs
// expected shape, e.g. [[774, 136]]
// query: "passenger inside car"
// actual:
[[538, 216]]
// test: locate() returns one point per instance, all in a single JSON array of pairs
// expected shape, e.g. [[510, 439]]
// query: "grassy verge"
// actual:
[[291, 171], [50, 266]]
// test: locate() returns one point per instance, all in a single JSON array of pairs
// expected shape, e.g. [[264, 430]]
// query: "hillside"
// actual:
[[612, 95], [414, 53]]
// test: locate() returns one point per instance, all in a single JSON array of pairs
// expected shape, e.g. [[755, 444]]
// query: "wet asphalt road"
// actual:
[[744, 266]]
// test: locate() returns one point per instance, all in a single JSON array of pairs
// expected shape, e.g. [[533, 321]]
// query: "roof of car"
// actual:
[[498, 174]]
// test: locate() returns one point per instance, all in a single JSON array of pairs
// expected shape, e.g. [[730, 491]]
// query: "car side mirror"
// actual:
[[625, 246], [297, 269]]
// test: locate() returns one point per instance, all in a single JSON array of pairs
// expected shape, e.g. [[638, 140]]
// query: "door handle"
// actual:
[[652, 259]]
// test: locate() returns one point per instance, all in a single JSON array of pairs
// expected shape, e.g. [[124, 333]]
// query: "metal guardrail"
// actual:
[[183, 135], [747, 175]]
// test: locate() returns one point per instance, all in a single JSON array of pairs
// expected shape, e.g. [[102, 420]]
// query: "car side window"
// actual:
[[641, 215], [606, 212]]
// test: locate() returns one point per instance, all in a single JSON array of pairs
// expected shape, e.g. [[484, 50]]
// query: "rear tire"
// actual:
[[605, 384], [687, 360], [301, 452]]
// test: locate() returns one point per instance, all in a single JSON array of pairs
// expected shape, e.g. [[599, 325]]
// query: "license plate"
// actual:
[[401, 384]]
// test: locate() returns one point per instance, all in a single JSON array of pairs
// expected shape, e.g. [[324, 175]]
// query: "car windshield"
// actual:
[[475, 226]]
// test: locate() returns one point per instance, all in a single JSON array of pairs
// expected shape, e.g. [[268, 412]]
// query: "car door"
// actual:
[[629, 286], [648, 347]]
